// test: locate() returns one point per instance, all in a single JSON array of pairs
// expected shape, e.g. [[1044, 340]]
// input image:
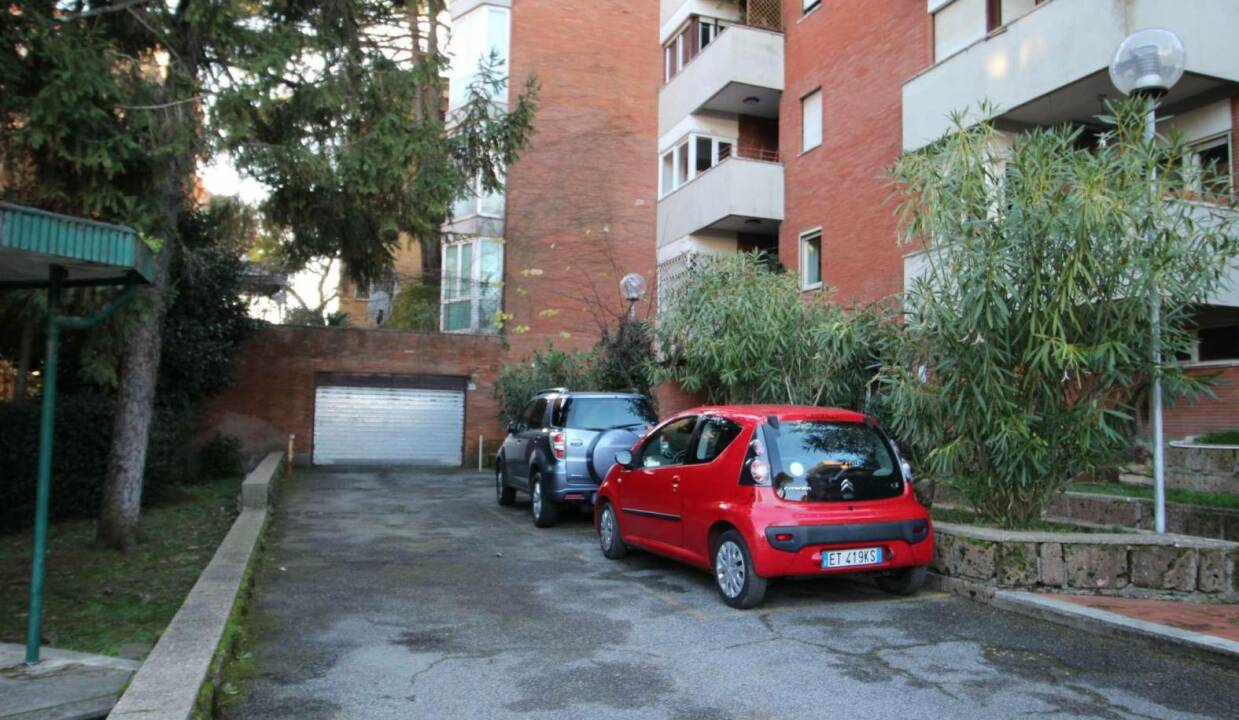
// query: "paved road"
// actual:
[[412, 595]]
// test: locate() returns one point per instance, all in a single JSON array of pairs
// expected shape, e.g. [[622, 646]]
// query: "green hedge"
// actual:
[[80, 455]]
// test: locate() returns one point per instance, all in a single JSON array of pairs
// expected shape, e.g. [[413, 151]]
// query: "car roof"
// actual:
[[589, 394], [757, 413]]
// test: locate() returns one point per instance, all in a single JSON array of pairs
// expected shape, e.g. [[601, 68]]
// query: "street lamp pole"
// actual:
[[1149, 62]]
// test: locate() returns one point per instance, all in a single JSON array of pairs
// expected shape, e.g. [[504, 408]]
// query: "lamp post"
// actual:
[[633, 287], [1147, 64]]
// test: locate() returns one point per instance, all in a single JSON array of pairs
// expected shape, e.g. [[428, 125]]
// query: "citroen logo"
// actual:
[[846, 487]]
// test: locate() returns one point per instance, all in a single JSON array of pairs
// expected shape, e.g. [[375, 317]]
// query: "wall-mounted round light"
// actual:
[[633, 287], [1150, 60]]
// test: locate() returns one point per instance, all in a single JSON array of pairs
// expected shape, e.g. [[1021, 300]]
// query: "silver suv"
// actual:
[[563, 444]]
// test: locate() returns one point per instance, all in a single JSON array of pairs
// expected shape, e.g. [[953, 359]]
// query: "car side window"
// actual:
[[668, 445], [537, 415], [716, 434]]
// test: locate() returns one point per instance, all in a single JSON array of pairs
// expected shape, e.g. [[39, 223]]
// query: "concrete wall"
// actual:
[[736, 186], [1138, 513], [859, 54], [272, 389]]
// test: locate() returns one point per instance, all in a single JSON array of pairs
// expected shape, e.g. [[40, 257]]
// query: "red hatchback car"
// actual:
[[753, 492]]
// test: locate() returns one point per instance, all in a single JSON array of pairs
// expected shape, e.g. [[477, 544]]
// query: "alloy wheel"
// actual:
[[729, 569], [536, 499], [606, 528]]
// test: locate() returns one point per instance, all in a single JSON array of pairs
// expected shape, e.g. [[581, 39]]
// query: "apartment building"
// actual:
[[777, 122], [543, 259]]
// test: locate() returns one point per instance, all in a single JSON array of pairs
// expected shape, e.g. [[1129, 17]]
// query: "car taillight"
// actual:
[[559, 444]]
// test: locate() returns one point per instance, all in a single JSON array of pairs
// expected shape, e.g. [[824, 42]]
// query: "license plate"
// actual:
[[851, 558]]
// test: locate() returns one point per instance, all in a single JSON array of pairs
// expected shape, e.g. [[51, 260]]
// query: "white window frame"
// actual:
[[805, 146], [450, 289], [475, 202], [716, 143], [470, 42], [802, 244], [1195, 170]]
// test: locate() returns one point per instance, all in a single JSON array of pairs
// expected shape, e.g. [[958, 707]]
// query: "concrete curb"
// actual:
[[1108, 623], [169, 684]]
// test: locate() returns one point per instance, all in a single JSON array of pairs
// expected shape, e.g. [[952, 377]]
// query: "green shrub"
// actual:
[[1029, 331], [1222, 437], [742, 332], [221, 457], [80, 452], [518, 383], [416, 308]]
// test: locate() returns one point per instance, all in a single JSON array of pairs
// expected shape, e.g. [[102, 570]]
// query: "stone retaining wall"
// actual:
[[1138, 513], [1203, 467], [1103, 564]]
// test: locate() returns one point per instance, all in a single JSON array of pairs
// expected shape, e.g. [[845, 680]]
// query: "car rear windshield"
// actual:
[[818, 461], [604, 413]]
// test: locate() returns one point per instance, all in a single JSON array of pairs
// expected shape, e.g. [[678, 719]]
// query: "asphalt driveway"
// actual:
[[410, 594]]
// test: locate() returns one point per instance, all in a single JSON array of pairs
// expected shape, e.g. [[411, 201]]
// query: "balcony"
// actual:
[[1051, 65], [739, 194], [739, 72]]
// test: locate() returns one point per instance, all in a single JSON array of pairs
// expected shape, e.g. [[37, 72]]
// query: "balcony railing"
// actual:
[[765, 14], [749, 152]]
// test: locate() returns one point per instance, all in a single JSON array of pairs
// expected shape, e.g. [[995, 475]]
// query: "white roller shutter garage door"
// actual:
[[388, 420]]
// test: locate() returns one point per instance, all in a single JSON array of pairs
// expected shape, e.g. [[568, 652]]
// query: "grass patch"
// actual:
[[1222, 437], [97, 600], [964, 516], [1201, 498]]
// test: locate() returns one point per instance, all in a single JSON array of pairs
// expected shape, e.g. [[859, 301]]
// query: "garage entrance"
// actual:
[[388, 419]]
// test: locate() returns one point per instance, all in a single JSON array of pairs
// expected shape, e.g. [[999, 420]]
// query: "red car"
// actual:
[[756, 492]]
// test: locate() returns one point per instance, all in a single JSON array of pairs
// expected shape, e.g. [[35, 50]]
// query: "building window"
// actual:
[[1209, 164], [688, 42], [690, 158], [478, 202], [811, 120], [472, 284], [476, 35], [811, 260]]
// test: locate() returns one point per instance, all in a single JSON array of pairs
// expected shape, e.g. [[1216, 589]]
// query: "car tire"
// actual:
[[609, 537], [734, 576], [544, 510], [504, 494], [905, 581]]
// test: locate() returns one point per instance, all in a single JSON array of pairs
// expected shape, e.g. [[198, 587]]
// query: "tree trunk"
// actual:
[[135, 405], [139, 367], [23, 360]]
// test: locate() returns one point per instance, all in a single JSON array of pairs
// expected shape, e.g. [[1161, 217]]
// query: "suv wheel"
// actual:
[[504, 495], [903, 582], [613, 546], [545, 513], [737, 582]]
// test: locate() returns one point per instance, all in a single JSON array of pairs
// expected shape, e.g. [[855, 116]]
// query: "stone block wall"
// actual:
[[1102, 564], [1203, 467], [1137, 513]]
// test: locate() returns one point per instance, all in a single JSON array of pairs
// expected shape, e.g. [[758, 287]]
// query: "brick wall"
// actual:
[[272, 389], [1208, 414], [859, 54], [581, 200]]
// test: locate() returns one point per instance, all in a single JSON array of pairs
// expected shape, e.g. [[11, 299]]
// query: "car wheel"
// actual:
[[734, 576], [903, 582], [545, 513], [504, 495], [609, 538]]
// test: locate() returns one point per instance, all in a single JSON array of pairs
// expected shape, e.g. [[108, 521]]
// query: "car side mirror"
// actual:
[[624, 459], [513, 428]]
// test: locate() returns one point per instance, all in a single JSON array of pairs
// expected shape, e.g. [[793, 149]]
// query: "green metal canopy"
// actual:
[[39, 249], [91, 252]]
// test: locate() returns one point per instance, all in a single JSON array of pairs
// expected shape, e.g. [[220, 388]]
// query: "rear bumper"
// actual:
[[798, 549]]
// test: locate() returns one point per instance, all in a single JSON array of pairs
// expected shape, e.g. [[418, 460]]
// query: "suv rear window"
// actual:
[[603, 413], [817, 461]]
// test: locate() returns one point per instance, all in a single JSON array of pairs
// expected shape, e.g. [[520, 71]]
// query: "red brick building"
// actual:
[[777, 122]]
